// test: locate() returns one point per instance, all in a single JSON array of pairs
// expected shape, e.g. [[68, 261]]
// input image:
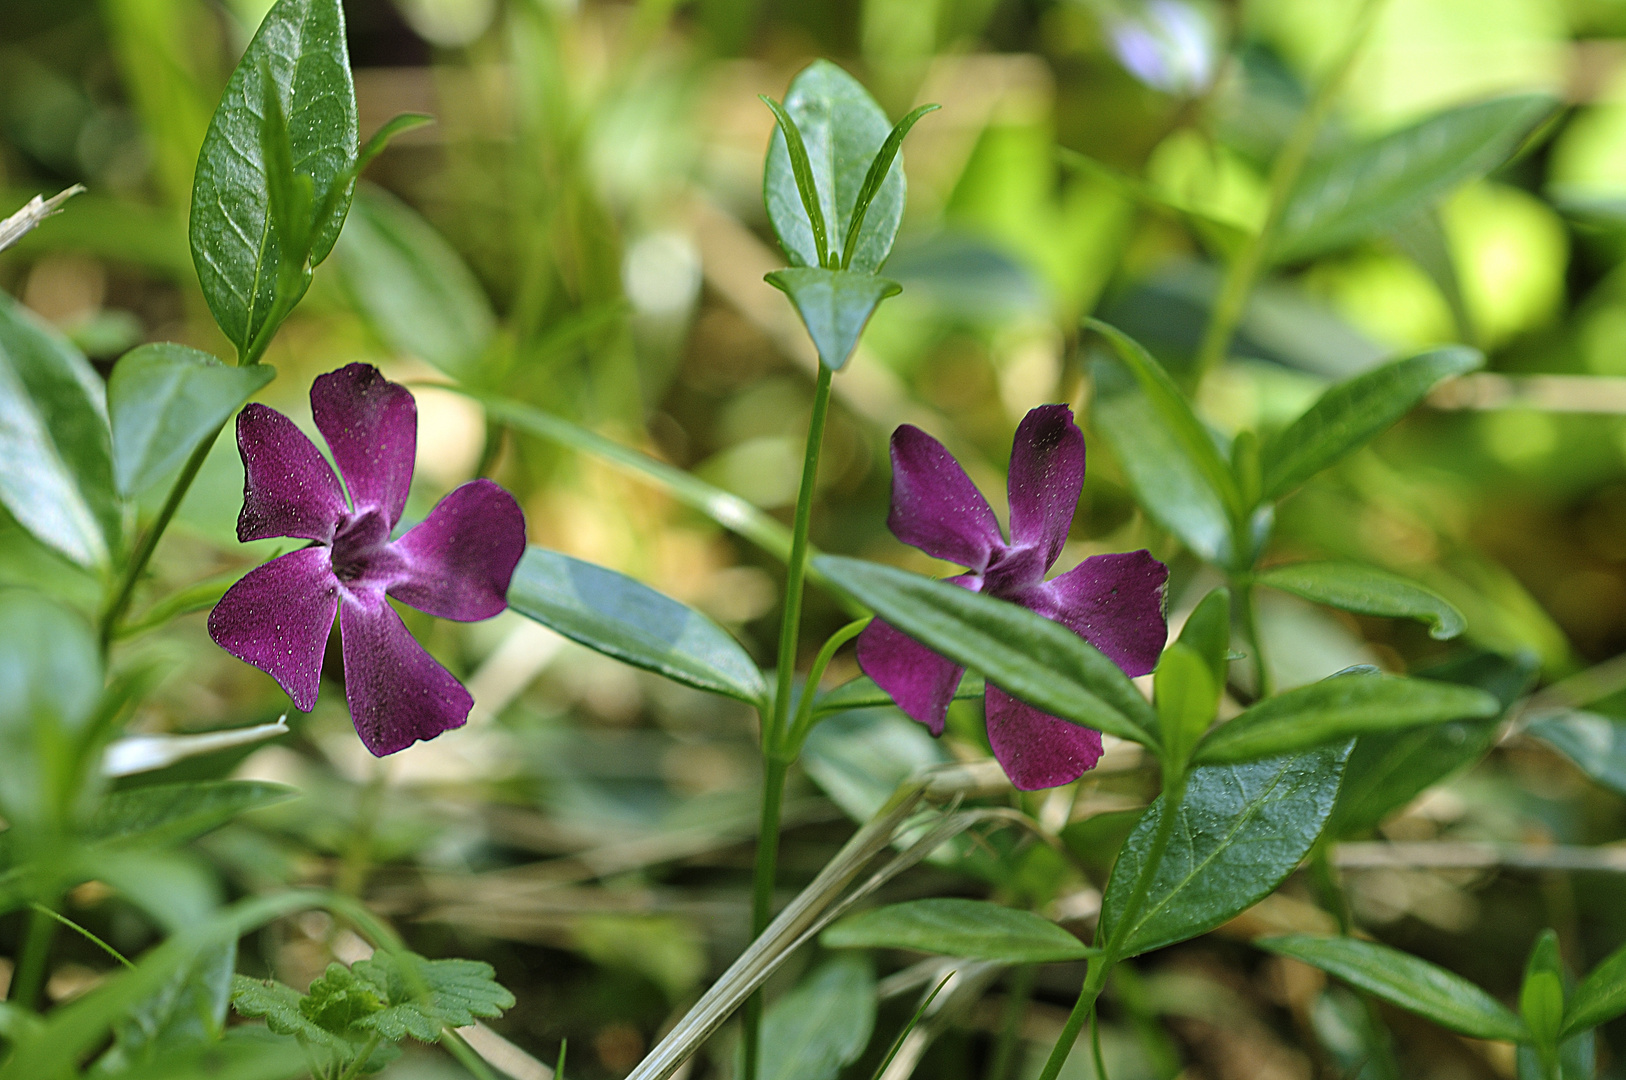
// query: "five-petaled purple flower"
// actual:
[[455, 564], [1115, 602]]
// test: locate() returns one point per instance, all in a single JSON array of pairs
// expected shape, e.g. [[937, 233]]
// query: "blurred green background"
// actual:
[[587, 215]]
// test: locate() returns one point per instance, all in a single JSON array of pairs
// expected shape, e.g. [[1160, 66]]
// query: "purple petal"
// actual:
[[1035, 749], [277, 617], [1047, 474], [461, 557], [1114, 602], [398, 694], [919, 680], [371, 425], [935, 506], [288, 487]]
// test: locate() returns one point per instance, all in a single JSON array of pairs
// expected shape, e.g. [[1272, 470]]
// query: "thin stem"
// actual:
[[804, 708], [149, 543], [25, 989], [774, 729], [1284, 174], [1247, 615], [41, 909], [1329, 889], [1094, 979], [465, 1055], [1095, 1042], [356, 1066], [1010, 1024]]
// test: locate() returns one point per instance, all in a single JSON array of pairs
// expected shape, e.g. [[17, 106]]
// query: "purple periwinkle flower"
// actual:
[[1115, 602], [455, 564]]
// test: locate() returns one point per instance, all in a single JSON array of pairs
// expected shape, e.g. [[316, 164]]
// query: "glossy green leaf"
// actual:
[[843, 129], [1352, 413], [56, 472], [975, 929], [1335, 709], [1405, 981], [1189, 433], [166, 399], [821, 1026], [862, 693], [1165, 482], [1390, 769], [1595, 743], [1370, 188], [1027, 655], [1600, 997], [1239, 831], [835, 306], [1367, 591], [628, 620], [235, 243], [411, 286], [165, 814], [879, 168]]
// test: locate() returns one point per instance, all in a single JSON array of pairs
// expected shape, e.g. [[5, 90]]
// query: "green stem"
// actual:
[[1247, 615], [774, 729], [149, 543], [25, 988], [1094, 979], [356, 1066], [465, 1055], [1010, 1024], [1284, 174], [1329, 889], [810, 687]]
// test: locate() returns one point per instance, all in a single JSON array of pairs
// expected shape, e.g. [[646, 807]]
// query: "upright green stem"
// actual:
[[1330, 890], [149, 542], [360, 1061], [776, 762], [1284, 175], [1247, 615], [804, 708], [30, 978], [1174, 792]]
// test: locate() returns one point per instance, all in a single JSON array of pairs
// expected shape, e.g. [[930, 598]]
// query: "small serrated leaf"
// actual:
[[279, 1007], [425, 995]]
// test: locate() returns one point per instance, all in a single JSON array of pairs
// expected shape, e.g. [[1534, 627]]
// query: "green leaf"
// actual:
[[801, 169], [1338, 707], [56, 472], [1353, 412], [1187, 697], [1577, 1059], [1390, 769], [628, 620], [1208, 632], [189, 1009], [862, 693], [858, 758], [975, 929], [1239, 831], [1595, 743], [167, 814], [412, 288], [165, 400], [1405, 981], [1166, 484], [834, 305], [1370, 188], [1041, 662], [1367, 591], [281, 1008], [422, 996], [1189, 433], [1541, 995], [842, 129], [235, 243], [821, 1026], [399, 124], [879, 168], [1601, 996], [51, 669]]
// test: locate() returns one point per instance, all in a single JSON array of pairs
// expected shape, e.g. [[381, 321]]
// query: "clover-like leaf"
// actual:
[[281, 1008], [424, 996]]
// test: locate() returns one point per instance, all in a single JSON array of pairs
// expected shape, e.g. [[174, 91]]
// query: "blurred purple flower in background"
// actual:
[[456, 564], [1167, 44], [1115, 602]]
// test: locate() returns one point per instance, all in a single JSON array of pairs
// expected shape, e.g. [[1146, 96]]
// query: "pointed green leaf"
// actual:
[[1189, 433], [1239, 831], [399, 124], [842, 129], [1367, 591], [1601, 996], [1541, 995], [1187, 696], [878, 170], [1369, 188], [1352, 413], [1595, 743], [165, 400], [1405, 981], [975, 929], [807, 188], [167, 814], [1208, 632], [413, 289], [56, 473], [628, 620], [235, 244], [835, 305], [1335, 709], [823, 1025], [1027, 655]]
